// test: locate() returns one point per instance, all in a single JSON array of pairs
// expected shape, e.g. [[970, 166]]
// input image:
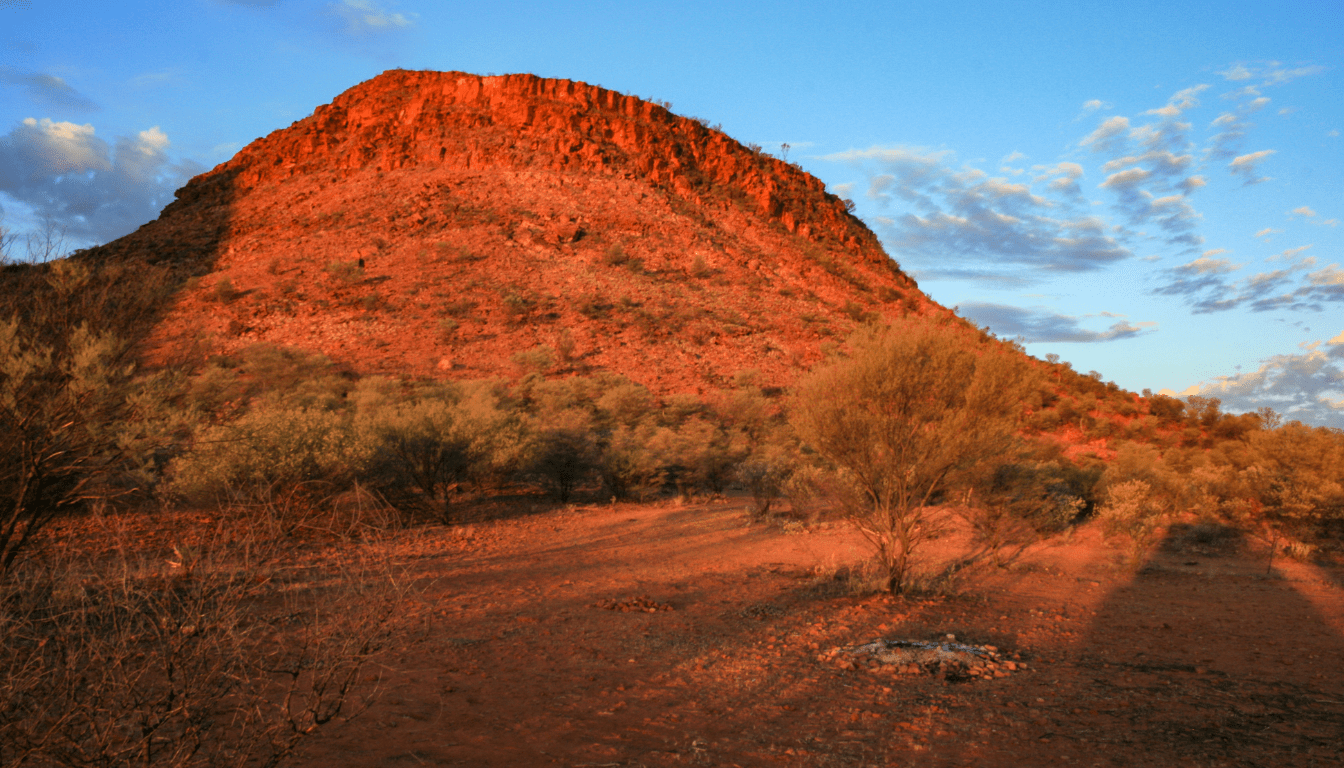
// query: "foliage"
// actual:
[[564, 452], [182, 664], [910, 407], [270, 447], [1018, 502], [1134, 511], [80, 427]]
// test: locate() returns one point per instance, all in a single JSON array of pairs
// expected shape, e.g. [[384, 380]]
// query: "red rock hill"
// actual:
[[441, 223]]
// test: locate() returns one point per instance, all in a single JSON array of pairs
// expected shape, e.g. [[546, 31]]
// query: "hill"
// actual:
[[437, 224]]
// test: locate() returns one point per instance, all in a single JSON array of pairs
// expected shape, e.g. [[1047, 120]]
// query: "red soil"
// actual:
[[1201, 658]]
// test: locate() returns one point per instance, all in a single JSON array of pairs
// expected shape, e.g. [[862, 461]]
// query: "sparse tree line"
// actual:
[[906, 425]]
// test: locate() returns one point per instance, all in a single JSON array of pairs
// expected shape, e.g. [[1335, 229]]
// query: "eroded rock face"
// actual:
[[431, 216], [452, 120]]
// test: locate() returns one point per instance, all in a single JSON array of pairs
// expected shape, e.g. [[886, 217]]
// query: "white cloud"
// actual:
[[1126, 179], [967, 222], [1064, 178], [1108, 135], [1289, 254], [1268, 231], [1278, 75], [1179, 102], [1206, 266], [1093, 105], [95, 192], [364, 17], [1042, 325], [1303, 211], [1330, 276], [1246, 166], [1307, 386], [1190, 184], [1269, 72]]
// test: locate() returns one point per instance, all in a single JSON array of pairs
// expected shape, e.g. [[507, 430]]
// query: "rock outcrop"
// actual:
[[440, 224]]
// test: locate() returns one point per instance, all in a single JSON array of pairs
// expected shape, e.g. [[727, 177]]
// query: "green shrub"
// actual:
[[1133, 511], [267, 448], [909, 408], [629, 467], [345, 271], [426, 446], [78, 427], [564, 453]]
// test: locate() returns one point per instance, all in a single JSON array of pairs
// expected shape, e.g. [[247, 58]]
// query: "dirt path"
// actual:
[[1199, 659]]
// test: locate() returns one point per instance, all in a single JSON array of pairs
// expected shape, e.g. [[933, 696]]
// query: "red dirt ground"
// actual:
[[1199, 659]]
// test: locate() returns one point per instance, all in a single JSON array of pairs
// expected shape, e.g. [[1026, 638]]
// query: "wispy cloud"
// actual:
[[1247, 166], [1206, 286], [1266, 73], [1063, 178], [365, 17], [94, 191], [1042, 325], [1109, 136], [1307, 386], [47, 90], [1179, 102], [963, 219]]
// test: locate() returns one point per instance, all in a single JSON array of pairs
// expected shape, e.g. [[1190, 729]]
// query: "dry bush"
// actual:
[[1013, 504], [1135, 512], [913, 405], [564, 452], [193, 662], [79, 426]]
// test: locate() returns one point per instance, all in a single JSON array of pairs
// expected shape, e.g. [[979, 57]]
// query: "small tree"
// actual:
[[1133, 510], [69, 419], [564, 453], [910, 408]]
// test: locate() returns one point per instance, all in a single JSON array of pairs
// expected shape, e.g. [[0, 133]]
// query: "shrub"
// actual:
[[1134, 512], [224, 292], [698, 454], [539, 359], [78, 426], [346, 271], [180, 665], [764, 475], [913, 404], [440, 438], [1015, 504], [630, 469], [564, 453], [270, 448]]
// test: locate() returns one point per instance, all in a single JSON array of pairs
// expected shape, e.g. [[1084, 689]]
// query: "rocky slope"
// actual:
[[441, 224]]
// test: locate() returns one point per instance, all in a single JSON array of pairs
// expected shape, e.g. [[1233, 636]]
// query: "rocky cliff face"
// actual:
[[440, 224]]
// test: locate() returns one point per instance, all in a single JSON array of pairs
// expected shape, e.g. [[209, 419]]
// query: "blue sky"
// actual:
[[1151, 190]]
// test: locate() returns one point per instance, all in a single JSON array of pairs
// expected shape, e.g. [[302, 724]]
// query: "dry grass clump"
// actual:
[[218, 655]]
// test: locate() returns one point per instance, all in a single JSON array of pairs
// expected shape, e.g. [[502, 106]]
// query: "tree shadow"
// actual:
[[1200, 657]]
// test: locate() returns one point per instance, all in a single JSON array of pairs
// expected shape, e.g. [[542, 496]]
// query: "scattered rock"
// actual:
[[641, 604], [950, 660]]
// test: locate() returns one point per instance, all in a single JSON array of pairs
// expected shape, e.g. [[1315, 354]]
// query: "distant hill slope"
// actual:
[[437, 224]]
